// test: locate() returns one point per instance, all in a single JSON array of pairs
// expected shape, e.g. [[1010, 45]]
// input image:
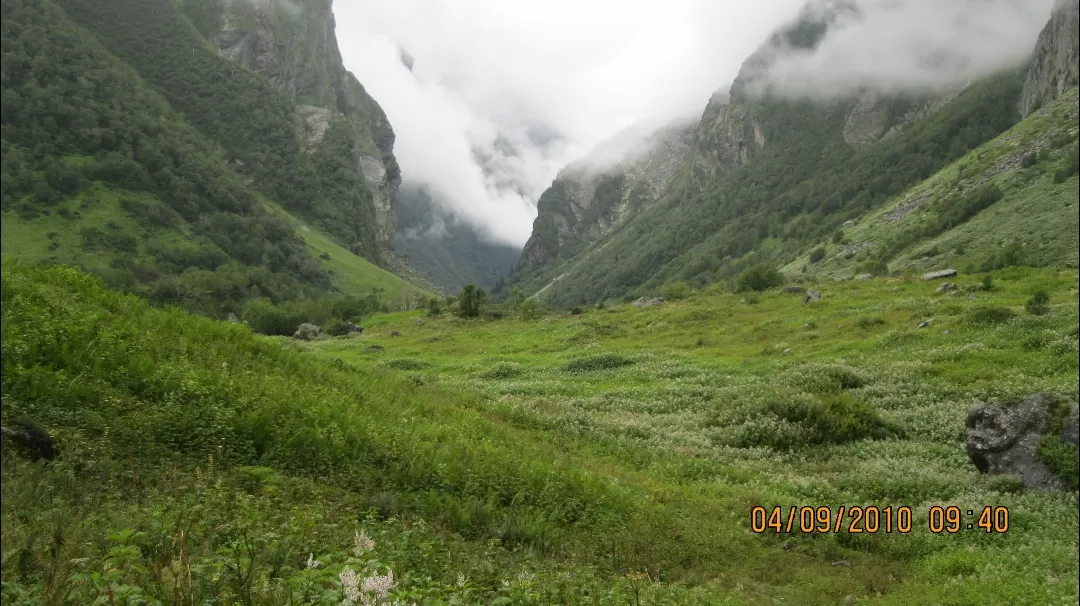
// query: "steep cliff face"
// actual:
[[590, 197], [1054, 65], [293, 44]]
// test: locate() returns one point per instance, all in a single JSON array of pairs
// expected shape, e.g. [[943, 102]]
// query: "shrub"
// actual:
[[336, 327], [990, 315], [434, 307], [604, 361], [988, 282], [868, 323], [1029, 160], [838, 236], [502, 370], [405, 364], [1038, 304], [759, 277], [817, 254], [827, 378], [675, 291], [874, 268]]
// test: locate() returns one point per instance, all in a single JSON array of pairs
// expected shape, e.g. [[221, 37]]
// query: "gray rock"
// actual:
[[394, 333], [1003, 438], [1070, 430], [811, 295], [645, 302], [307, 332], [971, 297], [864, 277], [946, 287], [924, 324], [937, 275], [1054, 67], [353, 329], [948, 332]]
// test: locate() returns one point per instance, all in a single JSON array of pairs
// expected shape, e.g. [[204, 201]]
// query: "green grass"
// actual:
[[349, 273], [579, 460], [1036, 214]]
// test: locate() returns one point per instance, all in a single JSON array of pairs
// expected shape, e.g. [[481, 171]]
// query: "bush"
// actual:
[[988, 283], [868, 323], [675, 291], [759, 277], [990, 315], [336, 327], [838, 237], [1038, 304], [817, 254], [874, 268], [604, 361]]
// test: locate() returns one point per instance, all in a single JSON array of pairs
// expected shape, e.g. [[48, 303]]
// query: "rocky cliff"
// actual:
[[293, 44], [591, 196], [1054, 65]]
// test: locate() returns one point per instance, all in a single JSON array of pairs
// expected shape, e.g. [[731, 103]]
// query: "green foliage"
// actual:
[[1070, 167], [872, 267], [331, 313], [243, 113], [675, 291], [868, 323], [531, 309], [597, 362], [1038, 304], [434, 307], [1062, 457], [967, 207], [992, 314], [817, 254], [759, 277], [471, 301], [987, 282]]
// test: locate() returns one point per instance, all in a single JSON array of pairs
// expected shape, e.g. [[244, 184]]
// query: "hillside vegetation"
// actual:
[[599, 459], [799, 188], [100, 171]]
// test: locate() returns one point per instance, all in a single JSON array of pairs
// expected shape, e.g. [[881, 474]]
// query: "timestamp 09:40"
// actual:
[[872, 520]]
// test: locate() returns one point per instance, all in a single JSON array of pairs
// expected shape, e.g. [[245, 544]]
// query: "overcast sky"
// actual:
[[504, 93]]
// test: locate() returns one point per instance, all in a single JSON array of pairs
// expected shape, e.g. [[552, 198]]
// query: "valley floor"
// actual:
[[610, 457]]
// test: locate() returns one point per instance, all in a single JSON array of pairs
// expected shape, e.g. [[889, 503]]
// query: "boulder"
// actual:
[[645, 302], [394, 333], [946, 287], [307, 332], [924, 324], [864, 276], [937, 275], [811, 295], [1003, 438]]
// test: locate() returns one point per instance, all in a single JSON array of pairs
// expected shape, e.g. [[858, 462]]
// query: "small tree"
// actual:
[[759, 277], [434, 307], [530, 309], [471, 301], [675, 291], [1038, 304], [987, 282]]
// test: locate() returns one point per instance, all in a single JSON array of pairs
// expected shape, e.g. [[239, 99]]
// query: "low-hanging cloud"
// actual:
[[911, 46], [502, 95]]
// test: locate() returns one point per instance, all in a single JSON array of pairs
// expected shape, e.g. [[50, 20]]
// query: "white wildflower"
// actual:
[[364, 544], [312, 562], [461, 580], [350, 583], [379, 585]]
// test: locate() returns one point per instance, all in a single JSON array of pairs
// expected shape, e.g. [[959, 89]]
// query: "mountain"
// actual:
[[133, 148], [449, 251], [765, 177], [1054, 64]]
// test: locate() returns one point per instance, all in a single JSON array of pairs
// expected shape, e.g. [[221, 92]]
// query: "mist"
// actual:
[[920, 46], [502, 95]]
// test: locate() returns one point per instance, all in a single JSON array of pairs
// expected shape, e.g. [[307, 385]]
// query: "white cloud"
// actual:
[[490, 74], [914, 45], [487, 71]]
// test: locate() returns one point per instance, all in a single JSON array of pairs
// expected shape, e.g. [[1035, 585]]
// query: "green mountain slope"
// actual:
[[766, 178], [100, 171], [1011, 201]]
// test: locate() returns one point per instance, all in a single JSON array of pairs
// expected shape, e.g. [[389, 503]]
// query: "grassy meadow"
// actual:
[[606, 458]]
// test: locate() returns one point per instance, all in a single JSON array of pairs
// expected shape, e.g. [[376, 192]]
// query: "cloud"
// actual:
[[912, 46], [502, 95]]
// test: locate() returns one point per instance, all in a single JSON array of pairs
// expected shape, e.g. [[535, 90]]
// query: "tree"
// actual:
[[471, 301], [1038, 304], [759, 277]]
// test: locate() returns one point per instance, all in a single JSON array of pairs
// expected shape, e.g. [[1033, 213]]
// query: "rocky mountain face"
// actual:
[[293, 44], [1054, 65], [591, 196]]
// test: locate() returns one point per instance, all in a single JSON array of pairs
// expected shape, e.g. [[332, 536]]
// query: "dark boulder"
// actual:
[[30, 439], [1004, 438]]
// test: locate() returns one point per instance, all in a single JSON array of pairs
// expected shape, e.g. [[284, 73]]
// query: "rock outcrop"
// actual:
[[1004, 438], [1054, 65], [294, 45], [307, 332], [590, 197]]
